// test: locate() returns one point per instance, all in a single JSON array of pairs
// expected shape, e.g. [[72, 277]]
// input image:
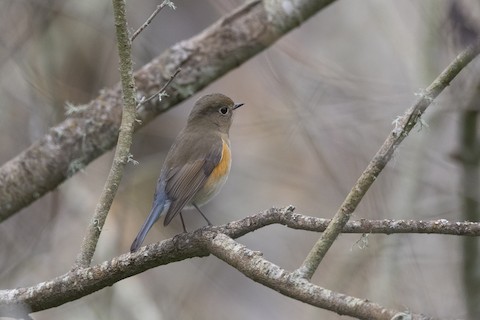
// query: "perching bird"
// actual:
[[197, 164]]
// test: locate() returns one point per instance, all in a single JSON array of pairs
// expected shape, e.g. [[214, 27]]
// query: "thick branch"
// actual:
[[403, 126], [84, 281], [91, 130]]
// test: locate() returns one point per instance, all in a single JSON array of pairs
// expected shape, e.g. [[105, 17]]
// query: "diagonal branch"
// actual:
[[92, 129], [151, 17], [403, 126], [84, 281], [253, 265]]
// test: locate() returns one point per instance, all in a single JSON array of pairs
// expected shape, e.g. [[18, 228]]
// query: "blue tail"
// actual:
[[153, 216]]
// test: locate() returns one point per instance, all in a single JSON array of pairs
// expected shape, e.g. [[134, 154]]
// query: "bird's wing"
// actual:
[[182, 183]]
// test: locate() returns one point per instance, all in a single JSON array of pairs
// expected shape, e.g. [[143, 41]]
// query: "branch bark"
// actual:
[[84, 281], [253, 265], [92, 129], [125, 137]]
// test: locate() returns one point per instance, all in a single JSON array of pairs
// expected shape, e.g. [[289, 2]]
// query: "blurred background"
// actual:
[[318, 104]]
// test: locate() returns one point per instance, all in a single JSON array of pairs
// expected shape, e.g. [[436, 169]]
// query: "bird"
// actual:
[[197, 164]]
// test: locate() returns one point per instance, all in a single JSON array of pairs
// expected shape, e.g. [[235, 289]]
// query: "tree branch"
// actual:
[[92, 129], [253, 265], [403, 126], [84, 281], [151, 17], [160, 93], [122, 152]]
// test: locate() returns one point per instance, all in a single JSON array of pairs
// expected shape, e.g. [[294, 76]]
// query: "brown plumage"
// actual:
[[197, 164]]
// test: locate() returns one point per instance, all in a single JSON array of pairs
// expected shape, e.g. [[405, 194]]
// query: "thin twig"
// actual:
[[152, 16], [125, 136], [160, 92], [402, 128]]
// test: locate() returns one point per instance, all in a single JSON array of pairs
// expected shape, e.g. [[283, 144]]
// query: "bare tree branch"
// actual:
[[151, 17], [91, 130], [84, 281], [387, 226], [253, 265], [160, 92], [125, 137], [403, 126]]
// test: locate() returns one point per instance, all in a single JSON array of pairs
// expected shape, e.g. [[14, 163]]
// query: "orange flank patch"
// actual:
[[223, 166], [217, 178]]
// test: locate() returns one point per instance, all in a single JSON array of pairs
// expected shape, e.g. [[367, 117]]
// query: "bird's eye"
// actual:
[[223, 110]]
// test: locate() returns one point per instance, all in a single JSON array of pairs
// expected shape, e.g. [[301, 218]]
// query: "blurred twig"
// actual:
[[469, 157], [84, 281], [403, 125], [466, 29], [125, 136]]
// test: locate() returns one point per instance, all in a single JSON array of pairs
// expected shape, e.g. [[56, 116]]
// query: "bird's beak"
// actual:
[[238, 105]]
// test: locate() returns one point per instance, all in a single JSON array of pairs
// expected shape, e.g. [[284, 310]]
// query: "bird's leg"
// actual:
[[183, 222], [196, 207]]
